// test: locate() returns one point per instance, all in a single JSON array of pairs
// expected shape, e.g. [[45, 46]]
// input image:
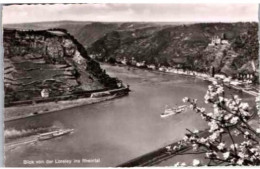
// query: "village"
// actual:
[[241, 81]]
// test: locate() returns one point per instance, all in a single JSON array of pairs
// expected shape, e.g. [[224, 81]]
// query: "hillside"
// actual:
[[186, 45], [52, 60], [168, 44], [87, 32]]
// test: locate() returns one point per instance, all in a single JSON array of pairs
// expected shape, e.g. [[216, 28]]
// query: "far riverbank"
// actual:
[[253, 91]]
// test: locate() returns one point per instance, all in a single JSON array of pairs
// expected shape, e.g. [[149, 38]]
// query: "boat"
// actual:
[[100, 94], [172, 111], [53, 134]]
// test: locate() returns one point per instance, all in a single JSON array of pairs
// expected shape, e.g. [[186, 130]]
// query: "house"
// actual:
[[162, 69], [224, 42], [219, 76], [215, 40], [151, 67], [45, 93], [119, 84], [124, 61], [235, 82], [140, 64], [169, 69], [227, 79]]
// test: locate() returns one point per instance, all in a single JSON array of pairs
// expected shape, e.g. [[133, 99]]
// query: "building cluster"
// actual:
[[216, 40], [132, 62]]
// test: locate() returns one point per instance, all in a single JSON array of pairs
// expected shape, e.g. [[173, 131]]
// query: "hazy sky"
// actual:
[[131, 12]]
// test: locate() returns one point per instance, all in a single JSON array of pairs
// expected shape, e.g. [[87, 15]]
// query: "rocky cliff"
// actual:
[[187, 45], [48, 59]]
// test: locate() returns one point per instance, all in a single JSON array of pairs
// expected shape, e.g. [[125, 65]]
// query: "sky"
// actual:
[[131, 12]]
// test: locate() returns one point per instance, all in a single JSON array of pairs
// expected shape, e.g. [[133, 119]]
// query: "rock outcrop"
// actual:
[[49, 59]]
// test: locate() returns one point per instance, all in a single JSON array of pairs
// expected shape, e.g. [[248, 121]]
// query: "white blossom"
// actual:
[[202, 110], [222, 117], [203, 116], [226, 117], [245, 113], [196, 162], [215, 82], [202, 140], [168, 148], [183, 164], [210, 114], [226, 155], [185, 138], [234, 120], [185, 99], [233, 146], [208, 154], [257, 99], [195, 147], [220, 90], [175, 148], [213, 126], [221, 99], [177, 164], [210, 88], [221, 146], [213, 136], [196, 131], [244, 106], [240, 161], [242, 155], [236, 132]]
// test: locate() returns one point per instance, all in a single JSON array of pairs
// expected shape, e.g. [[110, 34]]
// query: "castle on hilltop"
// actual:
[[216, 40]]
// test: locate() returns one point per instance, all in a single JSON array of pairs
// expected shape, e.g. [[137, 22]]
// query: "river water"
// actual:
[[119, 130]]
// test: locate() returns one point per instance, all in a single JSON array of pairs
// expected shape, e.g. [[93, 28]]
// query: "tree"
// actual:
[[111, 60], [230, 139]]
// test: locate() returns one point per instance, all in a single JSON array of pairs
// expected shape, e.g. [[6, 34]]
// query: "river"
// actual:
[[112, 132]]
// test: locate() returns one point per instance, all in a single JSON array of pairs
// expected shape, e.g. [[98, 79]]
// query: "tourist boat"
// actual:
[[53, 134], [172, 111]]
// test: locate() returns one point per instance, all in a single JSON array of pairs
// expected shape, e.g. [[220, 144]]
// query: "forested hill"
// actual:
[[166, 44], [87, 32], [185, 44]]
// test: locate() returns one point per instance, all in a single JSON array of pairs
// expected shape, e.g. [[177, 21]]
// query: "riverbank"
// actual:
[[24, 111], [253, 91]]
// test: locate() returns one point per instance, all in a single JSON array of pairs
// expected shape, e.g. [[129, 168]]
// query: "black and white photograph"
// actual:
[[131, 84]]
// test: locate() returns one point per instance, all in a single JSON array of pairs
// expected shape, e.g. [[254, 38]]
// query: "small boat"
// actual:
[[172, 111], [53, 134], [100, 94]]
